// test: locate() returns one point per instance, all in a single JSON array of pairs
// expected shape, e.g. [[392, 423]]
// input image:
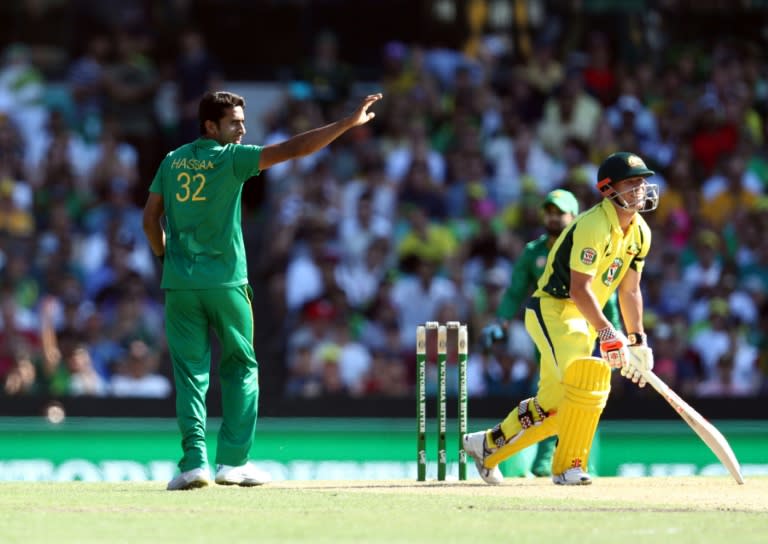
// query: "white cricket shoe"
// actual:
[[474, 445], [572, 476], [191, 479], [245, 475]]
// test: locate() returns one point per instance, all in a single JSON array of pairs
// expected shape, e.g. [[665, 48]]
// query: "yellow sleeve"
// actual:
[[585, 252], [638, 261]]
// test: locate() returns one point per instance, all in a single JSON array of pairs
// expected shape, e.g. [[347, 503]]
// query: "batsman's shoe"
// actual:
[[474, 445], [245, 475], [572, 476], [191, 479]]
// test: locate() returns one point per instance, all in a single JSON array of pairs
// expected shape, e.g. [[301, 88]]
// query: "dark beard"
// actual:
[[553, 232]]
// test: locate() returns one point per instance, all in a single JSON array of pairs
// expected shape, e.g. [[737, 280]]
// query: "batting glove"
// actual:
[[614, 347], [640, 359]]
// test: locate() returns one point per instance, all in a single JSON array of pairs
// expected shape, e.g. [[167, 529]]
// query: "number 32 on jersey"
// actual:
[[191, 187]]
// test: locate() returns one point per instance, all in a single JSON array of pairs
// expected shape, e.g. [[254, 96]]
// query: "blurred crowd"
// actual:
[[415, 217]]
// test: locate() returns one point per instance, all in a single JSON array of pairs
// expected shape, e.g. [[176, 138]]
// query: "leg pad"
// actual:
[[587, 383]]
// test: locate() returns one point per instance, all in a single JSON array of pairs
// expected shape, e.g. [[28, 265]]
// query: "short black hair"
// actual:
[[214, 106]]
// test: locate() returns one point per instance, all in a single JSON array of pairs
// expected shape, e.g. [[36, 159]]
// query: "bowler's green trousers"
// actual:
[[189, 317]]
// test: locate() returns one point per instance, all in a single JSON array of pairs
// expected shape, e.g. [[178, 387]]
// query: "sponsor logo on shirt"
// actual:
[[613, 271], [588, 255]]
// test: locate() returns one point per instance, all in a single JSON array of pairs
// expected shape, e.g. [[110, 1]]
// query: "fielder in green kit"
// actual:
[[197, 189]]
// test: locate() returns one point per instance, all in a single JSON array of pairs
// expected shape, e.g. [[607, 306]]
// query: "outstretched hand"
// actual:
[[362, 115]]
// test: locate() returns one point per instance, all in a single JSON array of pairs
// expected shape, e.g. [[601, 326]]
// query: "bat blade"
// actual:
[[713, 438]]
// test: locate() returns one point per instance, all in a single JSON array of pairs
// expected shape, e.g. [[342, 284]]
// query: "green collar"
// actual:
[[208, 143]]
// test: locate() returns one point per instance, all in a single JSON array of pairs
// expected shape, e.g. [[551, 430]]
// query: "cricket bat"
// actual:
[[706, 431]]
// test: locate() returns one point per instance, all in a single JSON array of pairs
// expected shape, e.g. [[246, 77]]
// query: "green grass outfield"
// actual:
[[626, 510]]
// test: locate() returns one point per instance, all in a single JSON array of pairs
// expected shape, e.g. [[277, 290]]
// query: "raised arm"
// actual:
[[316, 139]]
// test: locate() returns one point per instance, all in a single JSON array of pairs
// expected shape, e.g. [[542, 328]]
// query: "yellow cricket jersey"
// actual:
[[595, 244]]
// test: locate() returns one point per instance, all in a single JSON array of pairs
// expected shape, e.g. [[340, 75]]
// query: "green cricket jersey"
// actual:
[[201, 184], [527, 271]]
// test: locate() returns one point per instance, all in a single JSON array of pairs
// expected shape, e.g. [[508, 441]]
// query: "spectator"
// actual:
[[80, 376], [303, 380], [15, 221], [712, 137], [726, 383], [11, 148], [22, 87], [131, 83], [86, 81], [519, 162], [134, 374], [570, 112], [599, 76], [388, 375], [353, 359], [197, 71], [21, 378], [505, 374], [720, 337], [415, 146], [461, 148], [731, 194], [329, 77], [419, 189], [326, 361], [417, 296], [304, 280], [360, 280], [629, 114], [544, 71], [114, 162], [104, 349], [426, 239], [356, 233], [18, 328], [703, 274], [372, 180]]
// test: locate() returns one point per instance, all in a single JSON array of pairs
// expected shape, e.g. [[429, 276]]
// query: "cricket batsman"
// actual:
[[559, 208], [602, 251]]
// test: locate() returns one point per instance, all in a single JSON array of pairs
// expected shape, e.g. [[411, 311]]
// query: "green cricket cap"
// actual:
[[621, 165], [563, 200]]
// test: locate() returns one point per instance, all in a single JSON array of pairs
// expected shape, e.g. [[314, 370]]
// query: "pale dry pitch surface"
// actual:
[[696, 510], [685, 494]]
